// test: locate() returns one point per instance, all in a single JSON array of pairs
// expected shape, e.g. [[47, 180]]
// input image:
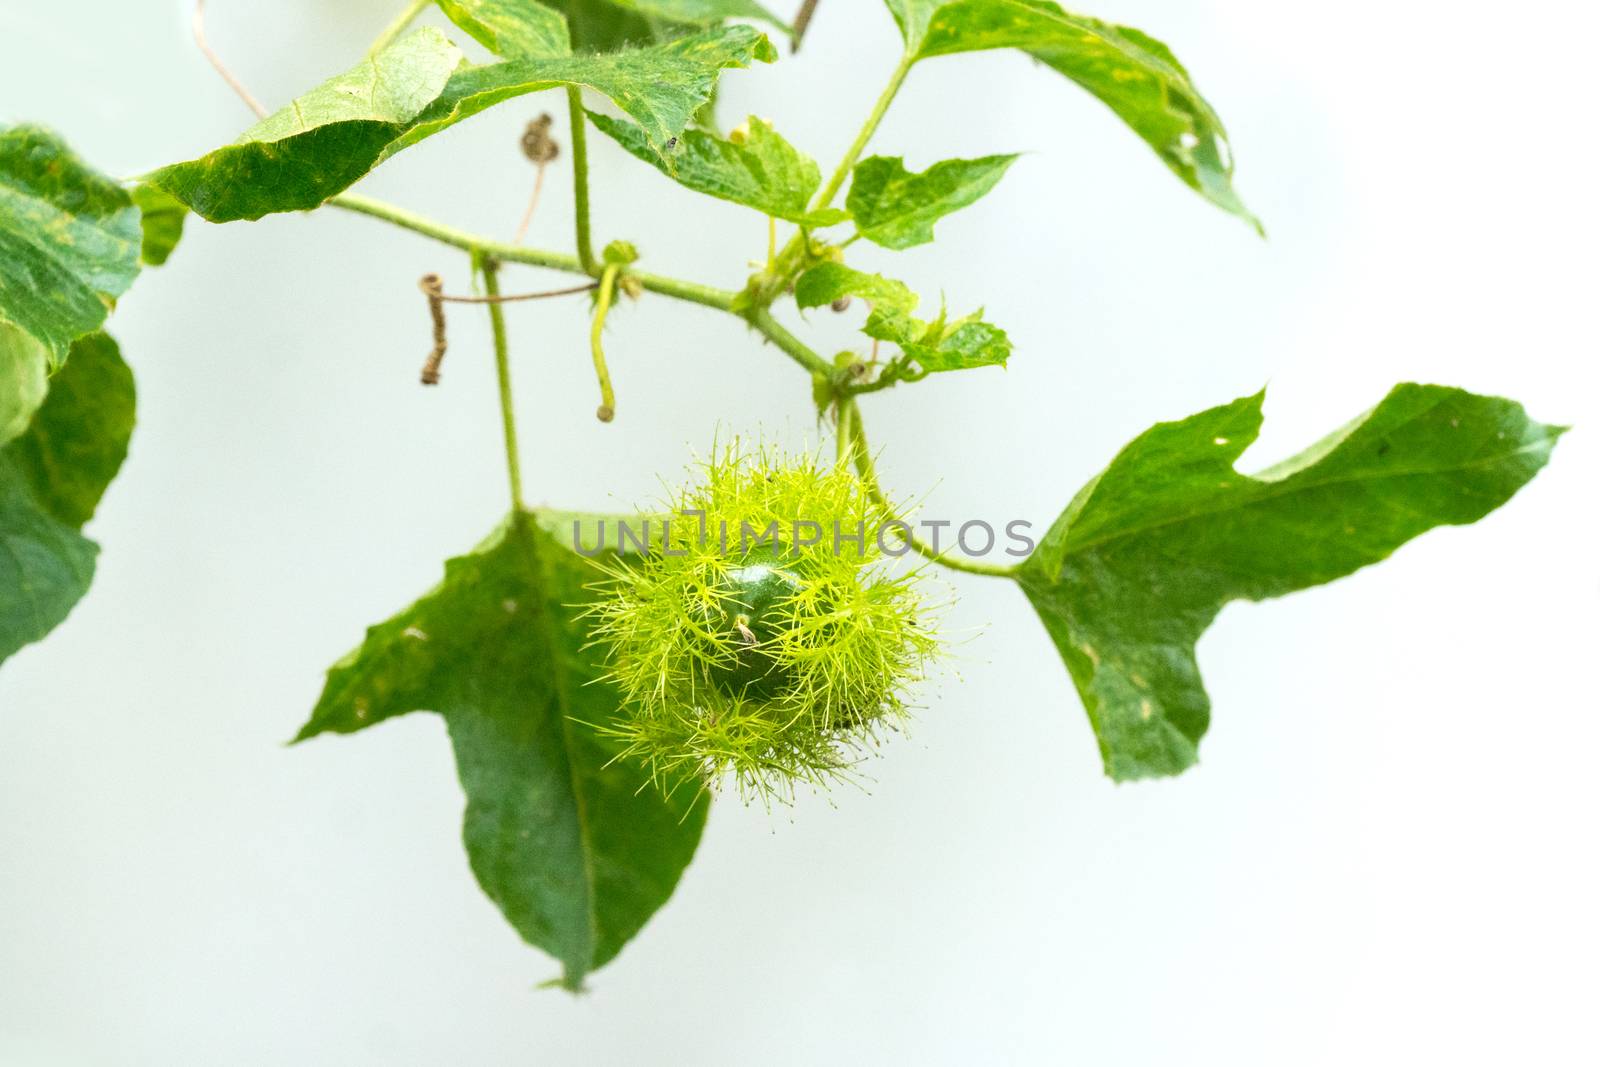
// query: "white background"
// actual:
[[1387, 854]]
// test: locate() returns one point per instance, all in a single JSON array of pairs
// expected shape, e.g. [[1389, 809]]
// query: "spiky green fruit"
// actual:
[[766, 638]]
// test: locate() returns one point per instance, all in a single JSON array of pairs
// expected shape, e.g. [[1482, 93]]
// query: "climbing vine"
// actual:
[[767, 626]]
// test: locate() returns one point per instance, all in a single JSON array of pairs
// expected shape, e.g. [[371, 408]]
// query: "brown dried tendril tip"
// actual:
[[433, 287], [537, 144]]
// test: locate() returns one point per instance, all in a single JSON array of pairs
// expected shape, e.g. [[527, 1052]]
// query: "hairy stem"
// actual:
[[502, 366], [869, 478], [608, 399], [787, 343], [401, 23], [870, 127], [691, 292], [580, 178], [791, 260]]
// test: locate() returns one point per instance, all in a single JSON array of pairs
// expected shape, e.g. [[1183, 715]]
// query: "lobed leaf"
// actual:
[[1147, 554], [1132, 73], [659, 87], [760, 169], [572, 846], [513, 29], [897, 209], [69, 240], [52, 477]]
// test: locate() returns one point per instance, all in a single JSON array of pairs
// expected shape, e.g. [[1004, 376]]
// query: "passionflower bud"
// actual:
[[766, 638]]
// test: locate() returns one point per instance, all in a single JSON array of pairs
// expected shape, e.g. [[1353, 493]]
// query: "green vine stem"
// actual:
[[790, 345], [608, 399], [791, 260], [502, 365], [691, 292], [759, 318], [580, 178], [402, 21], [849, 415], [847, 164]]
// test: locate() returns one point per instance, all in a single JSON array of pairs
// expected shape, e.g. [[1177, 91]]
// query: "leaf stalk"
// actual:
[[502, 365], [580, 179]]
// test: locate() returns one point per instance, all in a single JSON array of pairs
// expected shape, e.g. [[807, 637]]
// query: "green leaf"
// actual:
[[323, 142], [935, 346], [24, 366], [514, 29], [610, 25], [897, 209], [1144, 558], [69, 240], [701, 12], [578, 851], [941, 345], [51, 480], [963, 345], [1135, 75], [827, 282], [659, 87], [755, 167], [161, 218], [600, 26]]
